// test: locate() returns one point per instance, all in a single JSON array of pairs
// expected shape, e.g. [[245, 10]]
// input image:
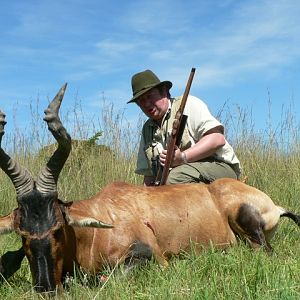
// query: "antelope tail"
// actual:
[[291, 215]]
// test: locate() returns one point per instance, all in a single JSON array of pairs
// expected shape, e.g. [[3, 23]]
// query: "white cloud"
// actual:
[[114, 48], [226, 41], [156, 17], [260, 37]]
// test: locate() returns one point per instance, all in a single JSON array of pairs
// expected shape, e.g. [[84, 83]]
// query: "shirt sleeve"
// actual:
[[200, 120]]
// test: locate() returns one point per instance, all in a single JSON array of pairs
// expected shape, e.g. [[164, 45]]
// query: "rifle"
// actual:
[[157, 168], [177, 130]]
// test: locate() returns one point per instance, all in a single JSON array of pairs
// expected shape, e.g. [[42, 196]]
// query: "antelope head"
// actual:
[[40, 218]]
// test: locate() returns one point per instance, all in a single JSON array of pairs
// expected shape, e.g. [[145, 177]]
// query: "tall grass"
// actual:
[[270, 158]]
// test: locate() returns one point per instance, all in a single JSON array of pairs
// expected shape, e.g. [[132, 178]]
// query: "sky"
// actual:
[[246, 53]]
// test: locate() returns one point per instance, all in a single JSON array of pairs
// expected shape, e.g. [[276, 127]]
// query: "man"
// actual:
[[203, 155]]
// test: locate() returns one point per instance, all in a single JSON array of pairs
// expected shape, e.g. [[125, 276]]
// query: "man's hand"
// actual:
[[177, 159]]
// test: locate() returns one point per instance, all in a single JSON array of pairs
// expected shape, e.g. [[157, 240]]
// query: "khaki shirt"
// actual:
[[154, 138]]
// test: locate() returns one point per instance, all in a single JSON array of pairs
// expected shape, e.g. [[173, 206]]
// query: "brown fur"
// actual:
[[162, 221], [166, 218]]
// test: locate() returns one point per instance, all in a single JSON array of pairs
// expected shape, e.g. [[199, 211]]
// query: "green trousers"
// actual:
[[204, 171]]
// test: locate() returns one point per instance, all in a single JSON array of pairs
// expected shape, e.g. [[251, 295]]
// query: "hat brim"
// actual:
[[167, 83]]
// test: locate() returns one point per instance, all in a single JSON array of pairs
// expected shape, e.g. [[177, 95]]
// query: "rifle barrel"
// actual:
[[175, 129]]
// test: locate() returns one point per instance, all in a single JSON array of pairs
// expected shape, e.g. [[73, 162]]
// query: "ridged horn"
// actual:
[[48, 177], [20, 177]]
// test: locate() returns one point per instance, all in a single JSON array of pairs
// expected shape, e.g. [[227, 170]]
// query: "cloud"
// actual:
[[156, 17], [260, 37], [226, 41], [115, 48]]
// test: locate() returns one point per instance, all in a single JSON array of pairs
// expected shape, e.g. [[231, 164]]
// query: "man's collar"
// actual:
[[168, 112]]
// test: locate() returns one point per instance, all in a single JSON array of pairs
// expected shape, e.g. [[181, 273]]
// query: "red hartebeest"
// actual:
[[140, 222]]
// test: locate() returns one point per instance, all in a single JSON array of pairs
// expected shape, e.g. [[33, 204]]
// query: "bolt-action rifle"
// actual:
[[177, 130]]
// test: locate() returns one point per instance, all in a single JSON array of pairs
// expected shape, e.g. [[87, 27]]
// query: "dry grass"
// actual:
[[270, 158]]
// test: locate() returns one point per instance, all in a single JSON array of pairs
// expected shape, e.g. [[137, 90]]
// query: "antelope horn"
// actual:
[[20, 177], [2, 124], [48, 177]]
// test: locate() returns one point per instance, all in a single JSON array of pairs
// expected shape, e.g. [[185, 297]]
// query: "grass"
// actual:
[[270, 159]]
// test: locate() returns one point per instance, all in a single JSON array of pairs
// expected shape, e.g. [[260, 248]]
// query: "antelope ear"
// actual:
[[7, 223], [82, 218]]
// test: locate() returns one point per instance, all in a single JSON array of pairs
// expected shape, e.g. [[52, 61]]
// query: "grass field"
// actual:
[[271, 160]]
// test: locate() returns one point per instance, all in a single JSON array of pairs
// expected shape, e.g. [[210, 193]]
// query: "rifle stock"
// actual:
[[172, 141]]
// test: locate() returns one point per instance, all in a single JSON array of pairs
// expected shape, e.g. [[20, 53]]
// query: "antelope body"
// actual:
[[123, 222]]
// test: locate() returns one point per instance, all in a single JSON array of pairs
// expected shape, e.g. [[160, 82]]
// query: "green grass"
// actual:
[[270, 159]]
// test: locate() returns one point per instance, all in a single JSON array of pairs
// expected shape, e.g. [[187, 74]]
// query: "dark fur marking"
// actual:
[[10, 262], [250, 220], [139, 253], [42, 265], [291, 215], [37, 214]]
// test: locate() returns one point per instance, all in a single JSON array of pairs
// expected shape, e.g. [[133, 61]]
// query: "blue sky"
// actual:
[[245, 52]]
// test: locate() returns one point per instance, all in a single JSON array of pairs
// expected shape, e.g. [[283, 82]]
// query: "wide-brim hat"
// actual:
[[144, 81]]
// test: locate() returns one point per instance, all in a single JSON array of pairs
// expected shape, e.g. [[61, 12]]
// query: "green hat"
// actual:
[[145, 81]]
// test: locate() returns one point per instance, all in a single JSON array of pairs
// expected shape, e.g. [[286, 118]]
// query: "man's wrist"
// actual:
[[183, 157]]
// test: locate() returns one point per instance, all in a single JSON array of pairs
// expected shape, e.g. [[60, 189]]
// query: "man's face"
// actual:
[[154, 104]]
